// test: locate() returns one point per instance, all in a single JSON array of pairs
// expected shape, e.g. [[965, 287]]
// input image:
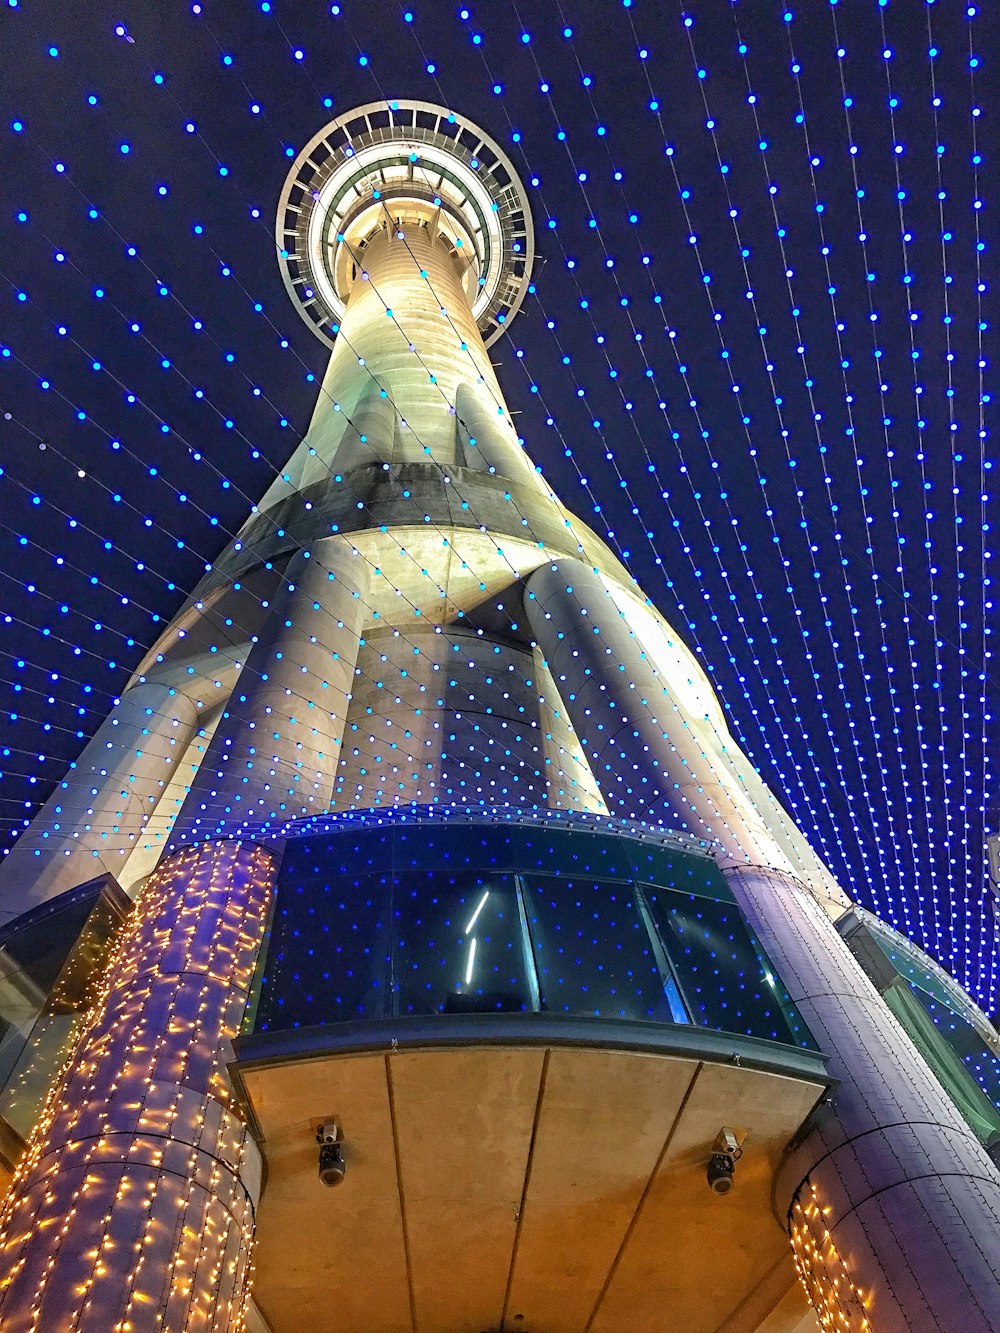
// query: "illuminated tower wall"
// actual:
[[410, 620]]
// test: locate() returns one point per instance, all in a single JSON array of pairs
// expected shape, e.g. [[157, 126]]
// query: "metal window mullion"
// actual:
[[531, 971], [667, 971]]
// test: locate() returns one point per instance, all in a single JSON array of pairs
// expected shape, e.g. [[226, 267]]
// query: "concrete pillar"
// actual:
[[94, 819], [644, 748], [893, 1204], [569, 780], [368, 437], [132, 1207], [690, 686], [274, 753], [419, 355], [489, 442]]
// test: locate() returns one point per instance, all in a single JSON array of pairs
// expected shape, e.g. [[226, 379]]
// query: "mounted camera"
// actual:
[[726, 1152], [332, 1167]]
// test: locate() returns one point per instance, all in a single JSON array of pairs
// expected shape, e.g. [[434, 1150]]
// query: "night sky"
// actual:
[[756, 359]]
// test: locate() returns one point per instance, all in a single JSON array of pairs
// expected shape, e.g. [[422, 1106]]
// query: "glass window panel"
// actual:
[[457, 944], [568, 852], [726, 978], [453, 847], [433, 918], [593, 953], [328, 953]]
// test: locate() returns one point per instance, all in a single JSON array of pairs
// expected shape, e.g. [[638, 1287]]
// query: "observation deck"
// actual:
[[396, 164], [531, 1029]]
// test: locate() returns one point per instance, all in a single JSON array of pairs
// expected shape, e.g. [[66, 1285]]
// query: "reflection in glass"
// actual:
[[415, 918]]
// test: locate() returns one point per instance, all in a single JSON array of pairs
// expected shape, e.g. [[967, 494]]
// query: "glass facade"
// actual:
[[953, 1035], [459, 916], [50, 962]]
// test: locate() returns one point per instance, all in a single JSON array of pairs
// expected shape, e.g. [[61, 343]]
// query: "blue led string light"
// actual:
[[804, 766]]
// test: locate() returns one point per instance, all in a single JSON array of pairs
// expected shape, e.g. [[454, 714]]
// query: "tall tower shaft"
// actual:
[[412, 631], [414, 247]]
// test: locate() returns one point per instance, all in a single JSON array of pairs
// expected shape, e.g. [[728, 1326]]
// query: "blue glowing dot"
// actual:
[[362, 60], [124, 148]]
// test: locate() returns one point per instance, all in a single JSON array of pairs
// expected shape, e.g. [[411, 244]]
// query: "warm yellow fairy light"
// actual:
[[838, 1304], [131, 1108]]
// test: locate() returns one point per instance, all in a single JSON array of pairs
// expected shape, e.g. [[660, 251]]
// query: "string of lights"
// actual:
[[861, 791]]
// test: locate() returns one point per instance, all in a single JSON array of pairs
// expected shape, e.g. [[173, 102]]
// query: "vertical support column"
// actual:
[[133, 1205], [92, 821], [892, 1194], [489, 440], [275, 752], [368, 437], [645, 750]]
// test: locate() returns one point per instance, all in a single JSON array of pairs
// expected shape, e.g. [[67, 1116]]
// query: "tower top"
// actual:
[[387, 163]]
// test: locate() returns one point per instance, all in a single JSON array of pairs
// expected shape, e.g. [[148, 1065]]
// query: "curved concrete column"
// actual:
[[488, 439], [691, 689], [94, 819], [152, 844], [569, 779], [368, 437], [139, 1173], [892, 1183], [644, 749], [275, 751]]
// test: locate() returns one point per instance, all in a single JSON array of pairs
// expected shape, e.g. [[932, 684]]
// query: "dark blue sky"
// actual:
[[758, 354]]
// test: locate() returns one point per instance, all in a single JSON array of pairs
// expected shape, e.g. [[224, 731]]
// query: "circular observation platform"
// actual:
[[390, 164]]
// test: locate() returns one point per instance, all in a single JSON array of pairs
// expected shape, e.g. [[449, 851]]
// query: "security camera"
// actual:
[[726, 1152], [332, 1167], [721, 1172]]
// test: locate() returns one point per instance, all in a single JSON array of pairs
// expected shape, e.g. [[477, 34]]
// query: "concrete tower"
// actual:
[[546, 967]]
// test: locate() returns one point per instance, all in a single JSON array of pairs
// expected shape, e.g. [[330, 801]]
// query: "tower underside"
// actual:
[[532, 1040]]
